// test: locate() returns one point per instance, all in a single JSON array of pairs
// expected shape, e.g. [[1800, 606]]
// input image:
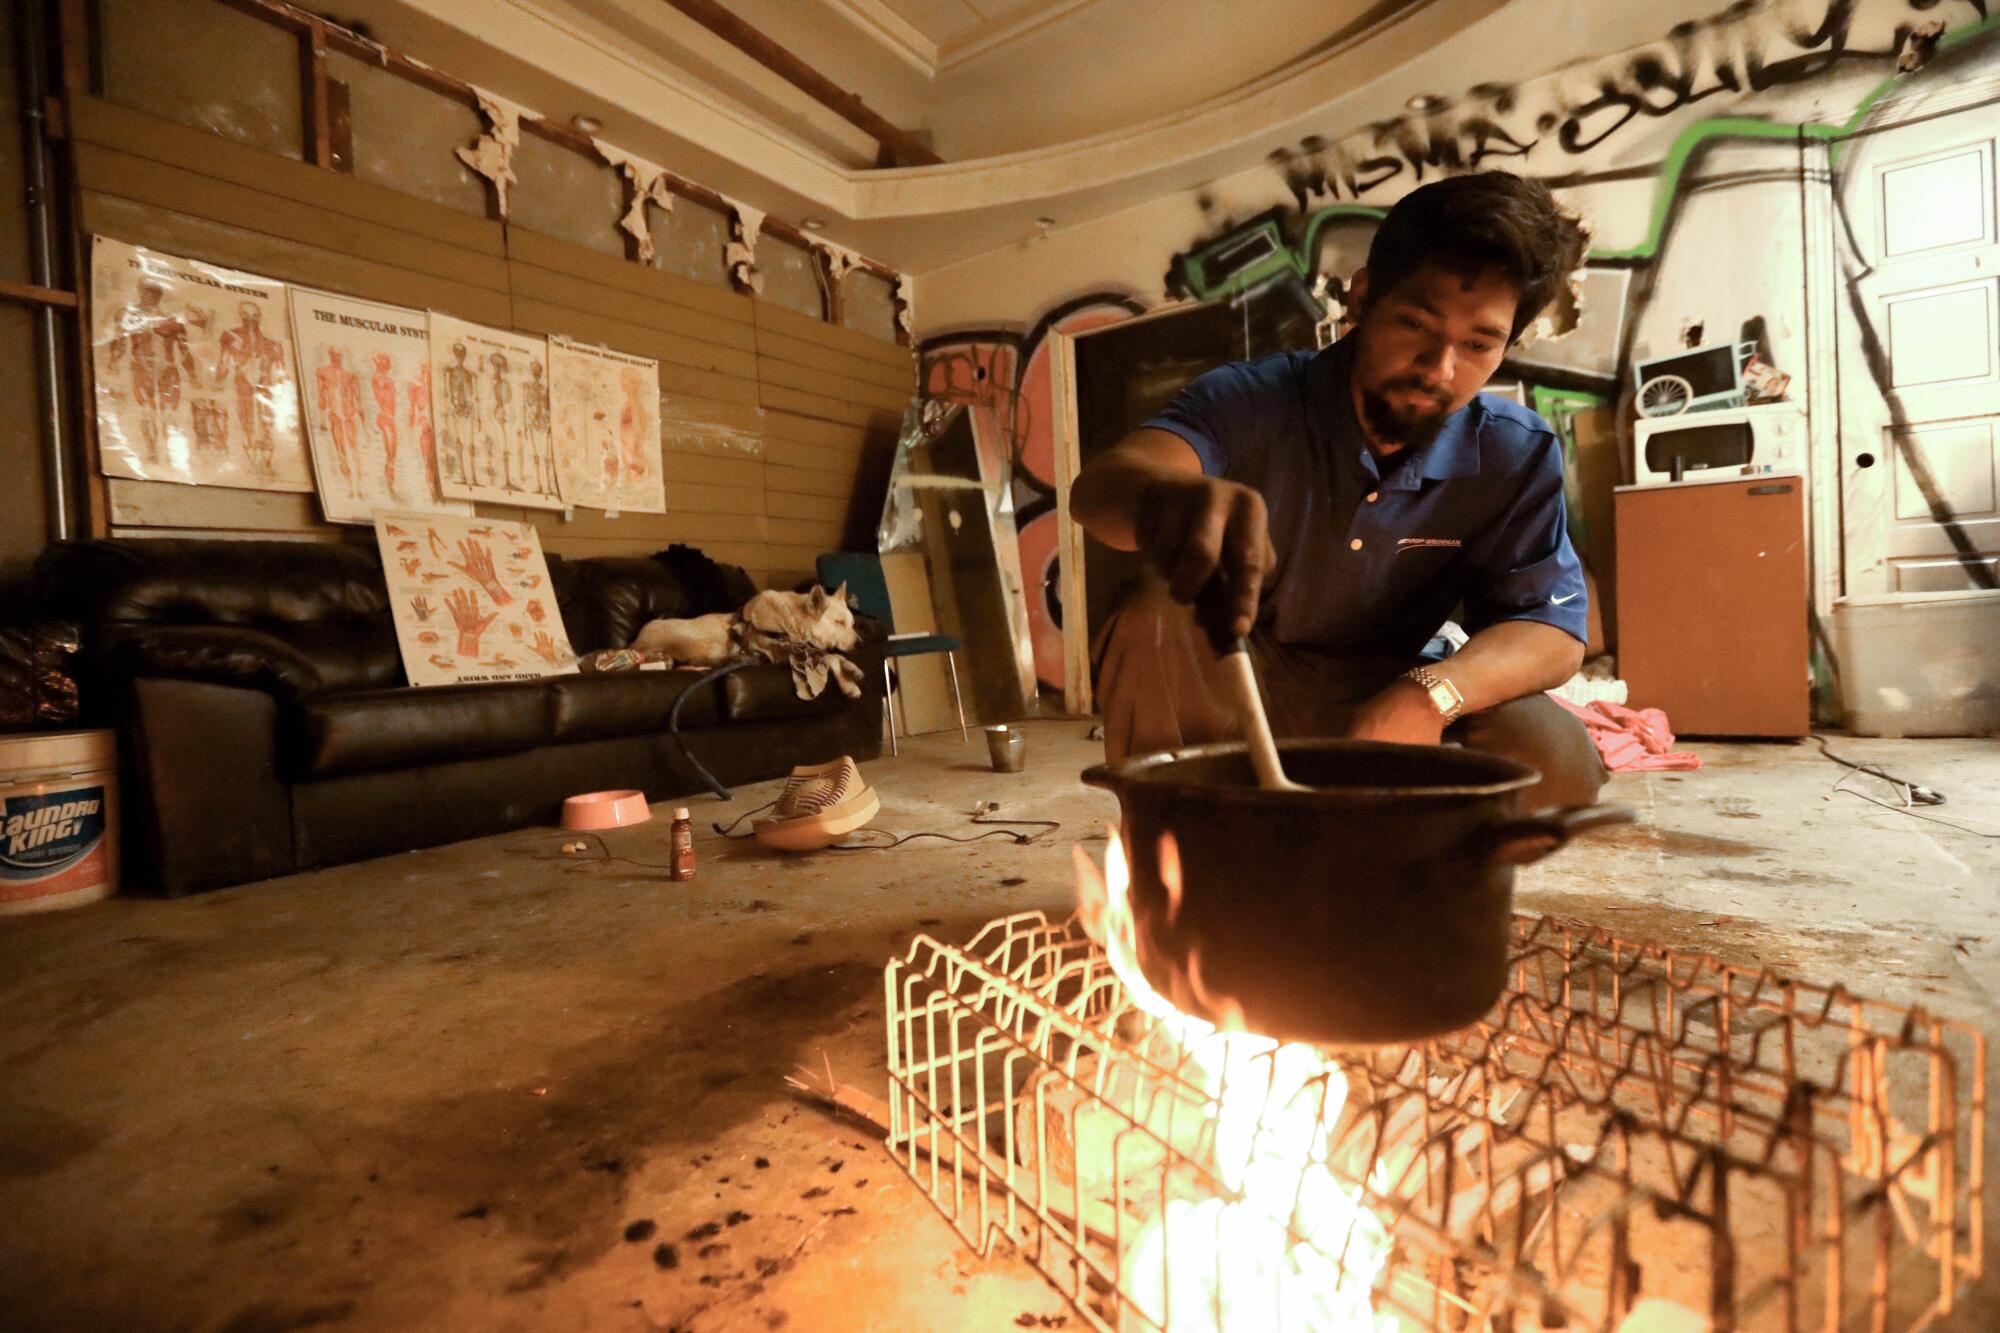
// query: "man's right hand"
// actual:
[[1208, 537], [1210, 540]]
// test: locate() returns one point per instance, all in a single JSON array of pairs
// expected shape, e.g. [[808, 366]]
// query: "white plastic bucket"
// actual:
[[1920, 664], [58, 820]]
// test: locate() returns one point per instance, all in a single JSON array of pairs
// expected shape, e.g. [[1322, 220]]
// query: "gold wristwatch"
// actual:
[[1444, 695]]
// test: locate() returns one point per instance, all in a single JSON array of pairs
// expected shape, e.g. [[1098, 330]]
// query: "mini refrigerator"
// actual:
[[1712, 599]]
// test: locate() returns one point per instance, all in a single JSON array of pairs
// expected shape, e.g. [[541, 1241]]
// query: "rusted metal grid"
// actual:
[[1629, 1124]]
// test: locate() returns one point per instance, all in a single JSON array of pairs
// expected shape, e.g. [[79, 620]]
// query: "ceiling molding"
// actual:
[[1213, 135], [583, 56], [996, 33], [892, 31], [741, 154]]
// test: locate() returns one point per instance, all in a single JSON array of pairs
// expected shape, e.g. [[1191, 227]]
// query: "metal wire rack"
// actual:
[[1636, 1137]]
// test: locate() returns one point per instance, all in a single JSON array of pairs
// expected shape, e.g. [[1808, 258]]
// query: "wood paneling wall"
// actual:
[[778, 429]]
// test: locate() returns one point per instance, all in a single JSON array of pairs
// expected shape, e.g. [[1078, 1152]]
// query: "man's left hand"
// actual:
[[1402, 713]]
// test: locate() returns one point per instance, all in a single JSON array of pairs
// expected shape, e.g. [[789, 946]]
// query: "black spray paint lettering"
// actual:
[[1694, 62]]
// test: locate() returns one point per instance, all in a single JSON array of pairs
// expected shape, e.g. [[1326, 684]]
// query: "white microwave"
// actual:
[[1717, 444]]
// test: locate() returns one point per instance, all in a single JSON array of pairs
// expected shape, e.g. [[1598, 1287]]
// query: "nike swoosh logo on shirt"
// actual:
[[1558, 601]]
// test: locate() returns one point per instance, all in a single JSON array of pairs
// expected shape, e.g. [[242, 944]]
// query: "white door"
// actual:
[[1920, 353]]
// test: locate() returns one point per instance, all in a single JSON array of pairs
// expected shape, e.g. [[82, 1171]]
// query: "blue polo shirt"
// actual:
[[1371, 559]]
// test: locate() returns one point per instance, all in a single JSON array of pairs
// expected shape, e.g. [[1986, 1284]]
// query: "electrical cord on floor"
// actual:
[[730, 831], [605, 856], [1917, 793], [1928, 819], [680, 741], [1011, 834]]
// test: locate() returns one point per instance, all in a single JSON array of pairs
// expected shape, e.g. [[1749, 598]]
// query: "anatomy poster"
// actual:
[[471, 599], [366, 369], [492, 396], [607, 428], [193, 370]]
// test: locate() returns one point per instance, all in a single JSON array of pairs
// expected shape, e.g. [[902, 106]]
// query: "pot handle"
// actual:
[[1521, 842]]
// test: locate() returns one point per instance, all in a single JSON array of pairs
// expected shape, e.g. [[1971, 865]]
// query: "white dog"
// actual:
[[818, 618]]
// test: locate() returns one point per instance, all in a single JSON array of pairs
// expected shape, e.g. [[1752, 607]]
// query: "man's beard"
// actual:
[[1411, 427]]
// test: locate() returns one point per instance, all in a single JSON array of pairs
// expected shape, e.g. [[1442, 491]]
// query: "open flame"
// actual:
[[1286, 1244]]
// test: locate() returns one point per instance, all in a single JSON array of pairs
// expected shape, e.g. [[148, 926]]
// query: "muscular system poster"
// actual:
[[471, 599], [193, 372], [366, 369], [491, 390], [606, 411]]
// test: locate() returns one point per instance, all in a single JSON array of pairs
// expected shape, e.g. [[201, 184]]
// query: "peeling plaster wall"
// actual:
[[406, 138], [774, 423], [691, 241], [868, 304], [568, 196], [791, 276], [165, 57]]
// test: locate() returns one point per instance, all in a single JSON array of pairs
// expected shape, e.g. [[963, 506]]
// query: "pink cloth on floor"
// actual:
[[1631, 740]]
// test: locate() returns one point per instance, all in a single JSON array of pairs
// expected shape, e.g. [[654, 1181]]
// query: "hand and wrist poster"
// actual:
[[471, 599], [607, 428], [366, 368], [492, 396], [193, 372]]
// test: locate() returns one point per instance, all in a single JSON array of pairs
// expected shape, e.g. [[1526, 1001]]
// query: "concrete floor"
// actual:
[[440, 1091]]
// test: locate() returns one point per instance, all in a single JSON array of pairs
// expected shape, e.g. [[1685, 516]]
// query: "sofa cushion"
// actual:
[[764, 693], [188, 581], [221, 654], [351, 653], [612, 596], [627, 703], [360, 730], [325, 599]]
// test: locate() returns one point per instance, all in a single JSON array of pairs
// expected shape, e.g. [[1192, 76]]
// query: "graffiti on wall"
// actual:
[[1541, 127], [1002, 379], [1575, 130]]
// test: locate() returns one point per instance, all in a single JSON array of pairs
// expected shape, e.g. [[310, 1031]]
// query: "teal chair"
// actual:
[[869, 592]]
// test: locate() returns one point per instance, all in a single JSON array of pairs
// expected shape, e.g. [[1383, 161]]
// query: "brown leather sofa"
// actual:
[[265, 725]]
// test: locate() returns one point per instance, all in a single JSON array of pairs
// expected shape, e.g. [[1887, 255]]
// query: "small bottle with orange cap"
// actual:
[[682, 835]]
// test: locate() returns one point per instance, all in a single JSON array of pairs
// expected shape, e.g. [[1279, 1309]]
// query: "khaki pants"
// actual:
[[1159, 686]]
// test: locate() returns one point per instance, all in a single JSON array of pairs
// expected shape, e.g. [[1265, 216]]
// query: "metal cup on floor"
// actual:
[[1007, 748]]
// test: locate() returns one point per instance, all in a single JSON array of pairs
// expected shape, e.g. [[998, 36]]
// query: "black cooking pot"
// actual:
[[1375, 908]]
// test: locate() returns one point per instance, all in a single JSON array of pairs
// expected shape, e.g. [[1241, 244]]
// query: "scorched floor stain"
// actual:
[[483, 1086]]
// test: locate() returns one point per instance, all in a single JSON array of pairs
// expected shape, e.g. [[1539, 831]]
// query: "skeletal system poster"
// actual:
[[194, 373], [492, 392], [471, 599], [366, 368], [607, 428]]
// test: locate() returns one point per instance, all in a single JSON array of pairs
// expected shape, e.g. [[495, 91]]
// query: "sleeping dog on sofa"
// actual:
[[810, 630]]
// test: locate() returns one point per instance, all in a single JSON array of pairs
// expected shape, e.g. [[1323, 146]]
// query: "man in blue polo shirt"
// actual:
[[1338, 507]]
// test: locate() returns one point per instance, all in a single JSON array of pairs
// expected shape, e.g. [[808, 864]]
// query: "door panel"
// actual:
[[1937, 202], [1920, 452], [1941, 337]]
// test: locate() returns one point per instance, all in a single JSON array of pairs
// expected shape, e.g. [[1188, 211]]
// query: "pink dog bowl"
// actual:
[[605, 809]]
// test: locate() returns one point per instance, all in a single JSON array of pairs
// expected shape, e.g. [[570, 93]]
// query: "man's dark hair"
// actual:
[[1469, 224]]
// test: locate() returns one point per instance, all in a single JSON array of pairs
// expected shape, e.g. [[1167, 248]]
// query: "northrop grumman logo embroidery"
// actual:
[[41, 835], [1406, 542]]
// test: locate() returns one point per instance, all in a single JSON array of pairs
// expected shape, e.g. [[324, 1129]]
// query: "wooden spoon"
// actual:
[[1248, 703]]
